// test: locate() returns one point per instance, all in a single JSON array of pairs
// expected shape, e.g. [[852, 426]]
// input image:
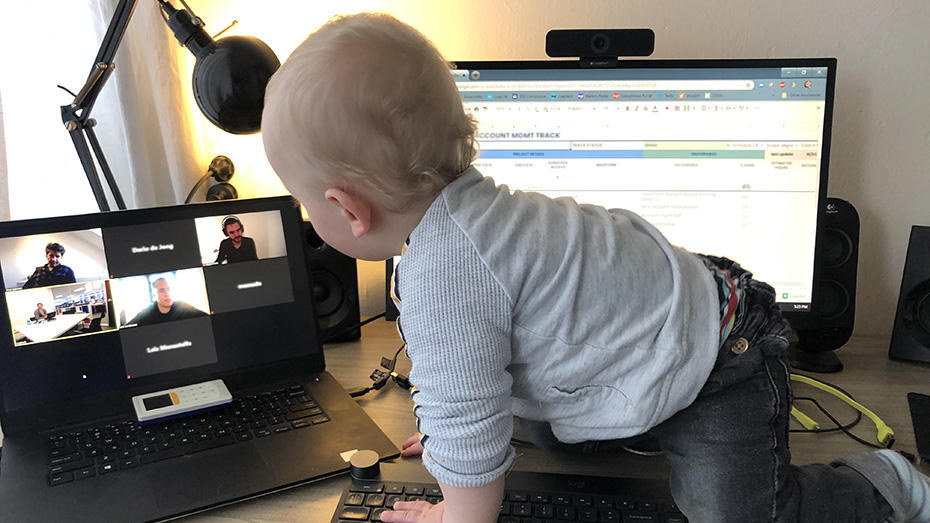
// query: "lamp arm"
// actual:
[[76, 115], [103, 63]]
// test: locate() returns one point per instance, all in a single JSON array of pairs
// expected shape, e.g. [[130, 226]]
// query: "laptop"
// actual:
[[150, 301]]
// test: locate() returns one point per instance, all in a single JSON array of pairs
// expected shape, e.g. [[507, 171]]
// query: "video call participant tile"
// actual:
[[248, 285], [168, 346], [151, 247]]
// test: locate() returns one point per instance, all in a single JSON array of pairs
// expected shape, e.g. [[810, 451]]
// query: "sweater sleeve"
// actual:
[[455, 319]]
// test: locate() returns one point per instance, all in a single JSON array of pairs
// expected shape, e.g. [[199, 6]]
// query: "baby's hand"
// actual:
[[412, 446]]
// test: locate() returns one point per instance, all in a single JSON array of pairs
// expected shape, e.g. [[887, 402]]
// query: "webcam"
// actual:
[[600, 43]]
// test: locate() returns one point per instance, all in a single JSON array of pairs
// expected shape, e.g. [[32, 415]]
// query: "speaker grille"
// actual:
[[834, 300], [916, 312], [837, 248]]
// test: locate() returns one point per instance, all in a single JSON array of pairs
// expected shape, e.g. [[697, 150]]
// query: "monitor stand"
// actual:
[[821, 361]]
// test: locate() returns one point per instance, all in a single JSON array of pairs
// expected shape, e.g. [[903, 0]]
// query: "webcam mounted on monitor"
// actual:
[[599, 47]]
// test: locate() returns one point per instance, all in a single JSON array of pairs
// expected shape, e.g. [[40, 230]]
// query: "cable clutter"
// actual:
[[380, 377]]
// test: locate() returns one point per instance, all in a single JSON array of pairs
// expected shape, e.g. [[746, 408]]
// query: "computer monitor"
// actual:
[[725, 157]]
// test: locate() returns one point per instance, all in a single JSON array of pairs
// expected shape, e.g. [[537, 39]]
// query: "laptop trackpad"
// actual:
[[205, 479]]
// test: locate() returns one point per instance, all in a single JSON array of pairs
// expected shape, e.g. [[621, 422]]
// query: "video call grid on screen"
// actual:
[[728, 161], [104, 280]]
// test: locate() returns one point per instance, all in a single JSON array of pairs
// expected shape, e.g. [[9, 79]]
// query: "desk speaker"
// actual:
[[334, 278], [910, 339], [835, 307]]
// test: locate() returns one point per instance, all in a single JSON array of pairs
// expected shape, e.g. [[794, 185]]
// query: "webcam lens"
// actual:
[[600, 43]]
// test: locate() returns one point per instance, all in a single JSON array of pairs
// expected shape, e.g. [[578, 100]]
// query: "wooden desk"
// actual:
[[875, 381]]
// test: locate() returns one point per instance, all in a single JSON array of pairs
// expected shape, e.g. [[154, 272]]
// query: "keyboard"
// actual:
[[124, 444], [529, 497]]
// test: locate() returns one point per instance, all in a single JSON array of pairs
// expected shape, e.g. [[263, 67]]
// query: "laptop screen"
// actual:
[[725, 157], [135, 300]]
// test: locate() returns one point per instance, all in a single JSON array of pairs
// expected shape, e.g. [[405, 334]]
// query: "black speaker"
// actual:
[[910, 339], [835, 308], [334, 278]]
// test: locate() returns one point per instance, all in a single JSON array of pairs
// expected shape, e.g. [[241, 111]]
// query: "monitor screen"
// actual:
[[725, 157]]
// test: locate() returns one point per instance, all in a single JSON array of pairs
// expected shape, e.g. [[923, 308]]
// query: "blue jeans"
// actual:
[[728, 450]]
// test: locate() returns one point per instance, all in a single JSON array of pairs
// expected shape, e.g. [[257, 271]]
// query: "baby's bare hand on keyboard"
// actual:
[[412, 447]]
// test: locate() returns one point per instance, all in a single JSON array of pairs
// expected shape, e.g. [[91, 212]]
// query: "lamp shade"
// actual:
[[229, 82]]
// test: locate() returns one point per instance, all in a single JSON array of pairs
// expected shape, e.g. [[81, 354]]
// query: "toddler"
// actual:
[[583, 322]]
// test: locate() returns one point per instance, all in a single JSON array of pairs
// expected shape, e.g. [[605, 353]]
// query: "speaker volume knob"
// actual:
[[364, 465]]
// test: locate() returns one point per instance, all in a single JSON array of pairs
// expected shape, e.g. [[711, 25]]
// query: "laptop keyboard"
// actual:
[[528, 498], [125, 444]]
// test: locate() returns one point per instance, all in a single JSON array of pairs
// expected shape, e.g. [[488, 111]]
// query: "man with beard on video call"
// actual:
[[164, 308], [236, 247]]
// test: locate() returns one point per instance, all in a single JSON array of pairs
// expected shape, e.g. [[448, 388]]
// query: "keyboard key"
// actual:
[[521, 509], [544, 511], [71, 465], [354, 513], [59, 479], [130, 463], [301, 423], [367, 487], [85, 473], [374, 500], [58, 460], [641, 517], [355, 499]]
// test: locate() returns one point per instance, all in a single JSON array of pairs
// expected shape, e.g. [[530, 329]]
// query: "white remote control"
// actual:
[[180, 400]]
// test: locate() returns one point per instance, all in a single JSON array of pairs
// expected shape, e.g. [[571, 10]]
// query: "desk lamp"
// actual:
[[229, 81]]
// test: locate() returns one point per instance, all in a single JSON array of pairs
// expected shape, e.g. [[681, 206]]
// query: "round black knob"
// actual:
[[364, 465]]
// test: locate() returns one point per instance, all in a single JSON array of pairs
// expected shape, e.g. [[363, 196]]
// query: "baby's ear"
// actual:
[[355, 209]]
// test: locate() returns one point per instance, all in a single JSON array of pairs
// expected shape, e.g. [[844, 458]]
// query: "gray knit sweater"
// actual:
[[517, 304]]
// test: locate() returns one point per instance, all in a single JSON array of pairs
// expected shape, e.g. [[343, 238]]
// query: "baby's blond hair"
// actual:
[[368, 99]]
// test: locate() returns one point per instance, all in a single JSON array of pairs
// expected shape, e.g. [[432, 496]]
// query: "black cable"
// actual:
[[822, 409], [352, 327], [845, 430], [858, 416], [67, 90], [380, 377]]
